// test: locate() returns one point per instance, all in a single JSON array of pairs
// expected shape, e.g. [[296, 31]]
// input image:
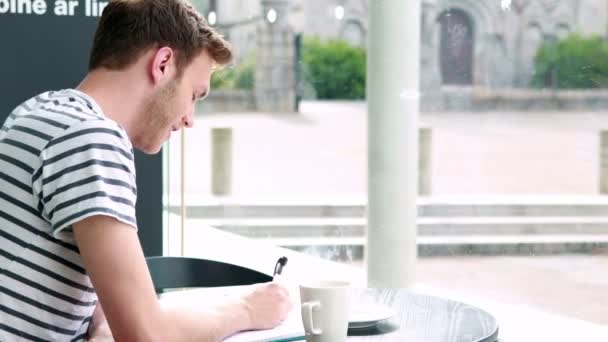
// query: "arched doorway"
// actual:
[[457, 46], [353, 32]]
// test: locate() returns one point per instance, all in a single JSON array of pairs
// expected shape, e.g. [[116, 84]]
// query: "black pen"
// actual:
[[278, 267]]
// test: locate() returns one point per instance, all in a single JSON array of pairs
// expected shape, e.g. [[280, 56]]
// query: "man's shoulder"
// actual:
[[69, 112], [68, 100]]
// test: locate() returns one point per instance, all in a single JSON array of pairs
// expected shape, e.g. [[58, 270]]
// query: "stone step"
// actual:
[[502, 210], [427, 207], [447, 240], [427, 226], [353, 247], [446, 225]]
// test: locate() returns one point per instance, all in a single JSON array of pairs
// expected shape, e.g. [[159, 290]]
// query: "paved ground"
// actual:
[[570, 286], [322, 152]]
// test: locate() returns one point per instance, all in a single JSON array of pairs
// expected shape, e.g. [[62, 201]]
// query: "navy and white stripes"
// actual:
[[61, 161]]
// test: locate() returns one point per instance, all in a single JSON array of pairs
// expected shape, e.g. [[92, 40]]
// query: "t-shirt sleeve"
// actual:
[[88, 170]]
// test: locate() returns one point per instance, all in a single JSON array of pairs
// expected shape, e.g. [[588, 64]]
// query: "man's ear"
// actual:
[[163, 63]]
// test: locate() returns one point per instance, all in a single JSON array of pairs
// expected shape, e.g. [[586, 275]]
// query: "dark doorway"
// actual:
[[457, 46]]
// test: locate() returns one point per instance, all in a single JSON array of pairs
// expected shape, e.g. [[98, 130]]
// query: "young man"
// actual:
[[71, 265]]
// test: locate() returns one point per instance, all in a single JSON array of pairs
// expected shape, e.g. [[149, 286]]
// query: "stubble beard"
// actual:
[[156, 119]]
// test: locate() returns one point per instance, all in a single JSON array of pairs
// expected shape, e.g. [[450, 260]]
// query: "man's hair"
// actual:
[[128, 28]]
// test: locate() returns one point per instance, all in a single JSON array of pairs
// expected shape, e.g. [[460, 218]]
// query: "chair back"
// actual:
[[182, 272]]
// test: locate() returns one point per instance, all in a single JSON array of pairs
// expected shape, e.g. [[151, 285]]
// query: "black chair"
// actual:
[[182, 272]]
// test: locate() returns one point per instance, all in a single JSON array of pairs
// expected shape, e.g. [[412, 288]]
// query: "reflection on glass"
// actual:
[[271, 15], [513, 143], [212, 18], [339, 12]]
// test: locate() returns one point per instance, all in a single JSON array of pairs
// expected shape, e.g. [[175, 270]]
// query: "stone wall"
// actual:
[[464, 99], [221, 101], [275, 60], [475, 99]]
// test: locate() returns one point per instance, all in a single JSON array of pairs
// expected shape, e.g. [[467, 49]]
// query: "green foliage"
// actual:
[[245, 76], [240, 76], [572, 63], [335, 69], [222, 79]]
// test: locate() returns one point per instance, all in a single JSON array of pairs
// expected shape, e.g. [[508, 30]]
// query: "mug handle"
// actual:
[[307, 309]]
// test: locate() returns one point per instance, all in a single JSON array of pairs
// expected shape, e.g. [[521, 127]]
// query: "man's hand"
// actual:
[[267, 305]]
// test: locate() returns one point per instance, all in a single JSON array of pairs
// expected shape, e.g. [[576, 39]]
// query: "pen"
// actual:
[[278, 267]]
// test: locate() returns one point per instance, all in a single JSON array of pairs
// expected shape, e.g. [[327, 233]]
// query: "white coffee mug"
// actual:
[[325, 308]]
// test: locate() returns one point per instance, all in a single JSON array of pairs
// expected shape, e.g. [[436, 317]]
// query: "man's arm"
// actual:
[[115, 262], [99, 330]]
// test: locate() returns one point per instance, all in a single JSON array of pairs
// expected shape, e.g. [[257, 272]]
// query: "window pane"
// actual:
[[513, 149]]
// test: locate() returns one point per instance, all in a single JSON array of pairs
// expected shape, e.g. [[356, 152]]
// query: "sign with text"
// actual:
[[91, 8], [45, 46]]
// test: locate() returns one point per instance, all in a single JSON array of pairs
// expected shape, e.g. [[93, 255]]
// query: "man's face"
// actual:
[[172, 107]]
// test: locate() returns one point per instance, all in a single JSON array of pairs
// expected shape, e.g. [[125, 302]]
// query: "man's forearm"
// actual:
[[188, 323], [206, 324]]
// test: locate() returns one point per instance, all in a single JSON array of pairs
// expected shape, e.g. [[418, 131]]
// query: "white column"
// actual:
[[392, 93], [221, 161], [603, 163], [425, 157], [182, 193]]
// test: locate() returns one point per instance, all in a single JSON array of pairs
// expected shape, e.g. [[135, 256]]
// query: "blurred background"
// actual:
[[512, 142]]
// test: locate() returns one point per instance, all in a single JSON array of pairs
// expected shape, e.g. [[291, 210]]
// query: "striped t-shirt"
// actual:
[[61, 161]]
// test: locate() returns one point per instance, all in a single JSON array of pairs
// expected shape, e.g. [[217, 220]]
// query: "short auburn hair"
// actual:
[[128, 28]]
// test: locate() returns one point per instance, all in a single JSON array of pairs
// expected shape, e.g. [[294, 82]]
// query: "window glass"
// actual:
[[513, 146]]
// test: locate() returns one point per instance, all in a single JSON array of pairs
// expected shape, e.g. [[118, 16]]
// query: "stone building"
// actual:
[[465, 44], [490, 43], [493, 43]]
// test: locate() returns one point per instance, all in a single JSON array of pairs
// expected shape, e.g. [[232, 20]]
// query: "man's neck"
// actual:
[[117, 93]]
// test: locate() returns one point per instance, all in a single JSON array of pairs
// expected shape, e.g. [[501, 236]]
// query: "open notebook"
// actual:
[[290, 330]]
